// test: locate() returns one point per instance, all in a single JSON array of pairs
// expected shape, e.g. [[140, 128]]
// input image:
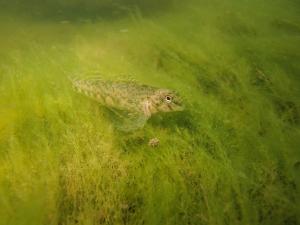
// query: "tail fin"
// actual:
[[75, 81], [72, 79]]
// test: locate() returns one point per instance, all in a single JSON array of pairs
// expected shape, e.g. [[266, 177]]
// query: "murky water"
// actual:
[[231, 157]]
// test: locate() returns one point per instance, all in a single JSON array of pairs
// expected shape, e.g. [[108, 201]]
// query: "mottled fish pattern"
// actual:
[[139, 102]]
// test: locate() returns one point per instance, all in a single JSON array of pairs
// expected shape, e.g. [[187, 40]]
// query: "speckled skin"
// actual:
[[140, 99]]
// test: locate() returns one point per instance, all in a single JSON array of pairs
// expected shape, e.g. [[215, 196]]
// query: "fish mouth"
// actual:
[[179, 108]]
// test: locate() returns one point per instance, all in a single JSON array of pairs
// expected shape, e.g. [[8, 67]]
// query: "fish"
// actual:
[[132, 103]]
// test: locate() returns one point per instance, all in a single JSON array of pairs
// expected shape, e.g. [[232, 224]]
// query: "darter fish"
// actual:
[[133, 103]]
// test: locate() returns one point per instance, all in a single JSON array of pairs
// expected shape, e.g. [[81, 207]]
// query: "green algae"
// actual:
[[230, 158]]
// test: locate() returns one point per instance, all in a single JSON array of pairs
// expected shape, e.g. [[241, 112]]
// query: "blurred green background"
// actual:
[[231, 158]]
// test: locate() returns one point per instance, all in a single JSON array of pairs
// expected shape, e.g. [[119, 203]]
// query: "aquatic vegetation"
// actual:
[[231, 157]]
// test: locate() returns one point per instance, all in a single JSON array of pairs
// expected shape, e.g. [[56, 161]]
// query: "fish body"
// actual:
[[139, 101]]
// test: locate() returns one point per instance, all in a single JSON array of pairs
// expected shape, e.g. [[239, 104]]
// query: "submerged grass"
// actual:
[[231, 158]]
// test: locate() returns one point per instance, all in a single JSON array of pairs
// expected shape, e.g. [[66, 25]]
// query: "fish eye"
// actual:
[[168, 99]]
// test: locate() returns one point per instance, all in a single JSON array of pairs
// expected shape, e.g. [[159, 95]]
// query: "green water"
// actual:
[[232, 157]]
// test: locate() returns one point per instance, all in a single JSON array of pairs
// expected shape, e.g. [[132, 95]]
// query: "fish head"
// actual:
[[166, 100]]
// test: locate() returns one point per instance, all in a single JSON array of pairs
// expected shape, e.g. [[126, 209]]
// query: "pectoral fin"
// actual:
[[127, 121]]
